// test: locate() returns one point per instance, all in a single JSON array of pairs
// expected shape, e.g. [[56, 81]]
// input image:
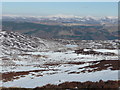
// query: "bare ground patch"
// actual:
[[9, 76], [99, 66], [88, 85], [113, 85]]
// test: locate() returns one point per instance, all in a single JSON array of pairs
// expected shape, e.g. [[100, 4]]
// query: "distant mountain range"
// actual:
[[63, 19], [64, 27]]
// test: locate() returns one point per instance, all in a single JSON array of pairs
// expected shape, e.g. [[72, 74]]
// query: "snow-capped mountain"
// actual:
[[64, 19]]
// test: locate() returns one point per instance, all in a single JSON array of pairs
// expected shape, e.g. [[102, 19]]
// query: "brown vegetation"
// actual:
[[9, 76], [79, 85], [55, 64], [103, 65], [99, 66], [88, 85]]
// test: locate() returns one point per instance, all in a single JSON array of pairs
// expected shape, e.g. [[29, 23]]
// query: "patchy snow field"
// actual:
[[31, 61], [41, 68], [30, 82]]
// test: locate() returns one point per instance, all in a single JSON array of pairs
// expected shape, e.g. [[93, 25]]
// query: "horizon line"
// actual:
[[55, 15]]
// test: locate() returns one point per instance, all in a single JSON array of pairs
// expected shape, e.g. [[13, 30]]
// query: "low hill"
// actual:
[[76, 32]]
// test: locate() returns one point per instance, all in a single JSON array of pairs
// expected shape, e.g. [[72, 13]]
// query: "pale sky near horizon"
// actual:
[[67, 8], [60, 0]]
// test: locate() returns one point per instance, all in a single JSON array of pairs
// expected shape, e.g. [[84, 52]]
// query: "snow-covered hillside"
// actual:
[[14, 46], [18, 41], [31, 62]]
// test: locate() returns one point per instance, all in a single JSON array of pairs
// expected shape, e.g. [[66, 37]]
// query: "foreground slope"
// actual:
[[30, 67]]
